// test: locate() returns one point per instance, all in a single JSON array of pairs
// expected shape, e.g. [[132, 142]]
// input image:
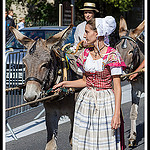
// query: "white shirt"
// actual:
[[20, 25], [10, 16], [79, 33], [92, 65]]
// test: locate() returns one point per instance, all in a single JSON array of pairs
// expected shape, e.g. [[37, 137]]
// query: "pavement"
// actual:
[[31, 133]]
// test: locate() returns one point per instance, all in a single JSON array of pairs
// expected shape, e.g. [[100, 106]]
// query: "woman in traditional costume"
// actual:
[[98, 121]]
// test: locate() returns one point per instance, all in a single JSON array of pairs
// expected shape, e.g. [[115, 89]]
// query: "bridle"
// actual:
[[46, 79], [60, 54], [136, 56]]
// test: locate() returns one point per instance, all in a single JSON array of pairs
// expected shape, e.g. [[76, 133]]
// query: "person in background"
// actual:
[[89, 11], [20, 25], [6, 14], [8, 22], [98, 121], [10, 13]]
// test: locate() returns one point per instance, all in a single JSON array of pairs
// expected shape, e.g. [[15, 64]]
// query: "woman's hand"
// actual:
[[80, 83], [115, 122], [131, 77], [61, 84], [142, 65]]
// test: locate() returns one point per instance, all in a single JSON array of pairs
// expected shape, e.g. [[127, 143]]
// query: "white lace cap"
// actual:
[[105, 26]]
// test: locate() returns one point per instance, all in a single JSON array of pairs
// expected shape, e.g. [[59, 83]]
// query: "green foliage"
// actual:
[[9, 2], [39, 10], [123, 5]]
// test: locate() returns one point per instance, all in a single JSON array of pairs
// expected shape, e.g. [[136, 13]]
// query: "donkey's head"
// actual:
[[128, 45], [40, 61]]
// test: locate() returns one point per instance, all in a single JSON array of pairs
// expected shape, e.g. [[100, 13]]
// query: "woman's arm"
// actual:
[[80, 83], [142, 65], [115, 123]]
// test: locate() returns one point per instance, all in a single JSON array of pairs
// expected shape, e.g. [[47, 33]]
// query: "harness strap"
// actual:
[[33, 79], [129, 38], [64, 62]]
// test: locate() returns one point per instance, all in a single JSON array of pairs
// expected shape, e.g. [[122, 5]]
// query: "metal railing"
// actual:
[[14, 76]]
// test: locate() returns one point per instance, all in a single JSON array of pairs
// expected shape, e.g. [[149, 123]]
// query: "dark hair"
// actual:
[[92, 24], [91, 10], [11, 10]]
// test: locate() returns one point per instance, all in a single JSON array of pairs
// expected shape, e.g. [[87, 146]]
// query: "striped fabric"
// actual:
[[92, 127]]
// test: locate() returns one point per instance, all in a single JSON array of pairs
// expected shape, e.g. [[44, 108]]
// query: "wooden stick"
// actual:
[[142, 70], [15, 88], [10, 89], [51, 97]]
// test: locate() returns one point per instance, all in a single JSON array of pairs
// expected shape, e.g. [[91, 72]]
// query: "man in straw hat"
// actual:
[[89, 10]]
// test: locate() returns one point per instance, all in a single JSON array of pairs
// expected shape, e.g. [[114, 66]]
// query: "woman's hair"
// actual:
[[92, 24], [21, 19], [93, 27]]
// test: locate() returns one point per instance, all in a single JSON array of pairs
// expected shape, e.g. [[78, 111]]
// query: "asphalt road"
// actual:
[[37, 140]]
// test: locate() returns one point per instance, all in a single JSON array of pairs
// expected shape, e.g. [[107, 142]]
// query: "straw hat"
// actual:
[[89, 6]]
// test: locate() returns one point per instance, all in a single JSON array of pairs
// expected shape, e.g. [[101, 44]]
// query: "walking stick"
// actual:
[[126, 75]]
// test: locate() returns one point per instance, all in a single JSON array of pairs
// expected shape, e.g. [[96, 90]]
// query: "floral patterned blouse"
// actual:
[[99, 72]]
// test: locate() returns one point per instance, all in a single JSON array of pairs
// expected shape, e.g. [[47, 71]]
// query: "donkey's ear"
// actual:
[[136, 32], [58, 38], [122, 27], [27, 42]]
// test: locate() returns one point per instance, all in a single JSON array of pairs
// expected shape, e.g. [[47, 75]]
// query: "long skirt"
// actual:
[[92, 121]]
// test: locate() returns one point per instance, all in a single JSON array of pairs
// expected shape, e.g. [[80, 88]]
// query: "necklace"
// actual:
[[96, 52]]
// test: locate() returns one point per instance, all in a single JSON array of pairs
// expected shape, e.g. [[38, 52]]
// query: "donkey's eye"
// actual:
[[130, 52], [45, 65]]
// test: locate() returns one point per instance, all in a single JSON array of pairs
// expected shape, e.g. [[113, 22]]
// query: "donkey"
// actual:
[[43, 69], [132, 52]]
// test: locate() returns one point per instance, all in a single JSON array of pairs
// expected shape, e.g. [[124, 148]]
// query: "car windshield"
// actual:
[[35, 34]]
